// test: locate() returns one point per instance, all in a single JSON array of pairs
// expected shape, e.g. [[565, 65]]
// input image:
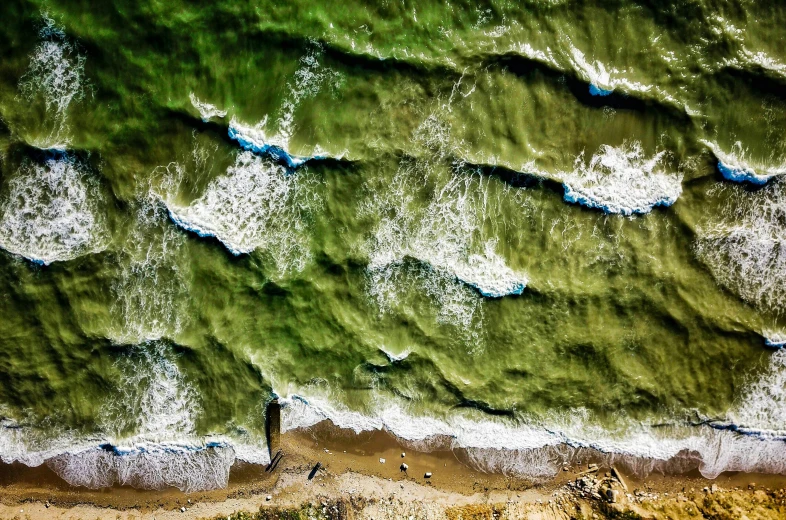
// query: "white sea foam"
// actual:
[[440, 236], [148, 440], [18, 445], [155, 401], [309, 79], [774, 338], [150, 423], [56, 74], [712, 450], [736, 166], [149, 467], [762, 405], [150, 286], [392, 357], [257, 205], [454, 264], [206, 110], [253, 139], [594, 72], [622, 180], [92, 462], [745, 249], [51, 211]]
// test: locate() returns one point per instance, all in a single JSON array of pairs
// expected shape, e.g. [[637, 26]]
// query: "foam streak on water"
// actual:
[[51, 211], [762, 405]]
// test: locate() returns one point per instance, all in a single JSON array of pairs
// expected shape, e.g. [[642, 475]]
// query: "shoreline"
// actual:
[[352, 462]]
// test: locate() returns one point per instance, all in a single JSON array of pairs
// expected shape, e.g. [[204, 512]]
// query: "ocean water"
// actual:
[[516, 229]]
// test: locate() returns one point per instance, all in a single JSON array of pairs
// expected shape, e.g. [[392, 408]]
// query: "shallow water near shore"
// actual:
[[511, 230]]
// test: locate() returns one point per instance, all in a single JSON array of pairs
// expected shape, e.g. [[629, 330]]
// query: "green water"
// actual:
[[515, 216]]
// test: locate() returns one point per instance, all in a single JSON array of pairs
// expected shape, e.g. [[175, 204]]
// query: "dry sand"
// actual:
[[355, 484]]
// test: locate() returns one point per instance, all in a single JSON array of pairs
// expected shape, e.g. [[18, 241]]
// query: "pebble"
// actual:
[[428, 475], [268, 498], [381, 461], [403, 454], [182, 509], [404, 467]]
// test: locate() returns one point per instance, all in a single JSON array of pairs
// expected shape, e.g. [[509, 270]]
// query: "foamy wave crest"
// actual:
[[307, 82], [595, 73], [56, 75], [746, 249], [206, 110], [51, 211], [155, 401], [148, 440], [774, 338], [440, 237], [762, 405], [622, 180], [150, 286], [514, 447], [95, 463], [393, 357], [604, 80], [436, 248], [736, 166], [18, 445], [257, 205], [148, 467], [253, 139]]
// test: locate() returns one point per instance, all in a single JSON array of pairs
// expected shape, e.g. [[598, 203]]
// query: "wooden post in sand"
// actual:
[[273, 426]]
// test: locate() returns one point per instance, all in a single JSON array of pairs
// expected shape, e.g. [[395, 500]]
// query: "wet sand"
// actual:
[[353, 474]]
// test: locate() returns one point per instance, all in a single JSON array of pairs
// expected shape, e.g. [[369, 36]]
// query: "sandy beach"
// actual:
[[354, 482]]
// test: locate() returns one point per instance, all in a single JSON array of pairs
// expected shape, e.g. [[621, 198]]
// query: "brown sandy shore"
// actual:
[[354, 483]]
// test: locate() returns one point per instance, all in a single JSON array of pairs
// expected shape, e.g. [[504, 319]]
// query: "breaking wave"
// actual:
[[52, 211], [256, 205], [736, 166], [253, 139], [774, 339], [622, 180], [521, 447], [307, 81], [455, 266], [437, 248], [745, 249], [148, 437], [762, 405]]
